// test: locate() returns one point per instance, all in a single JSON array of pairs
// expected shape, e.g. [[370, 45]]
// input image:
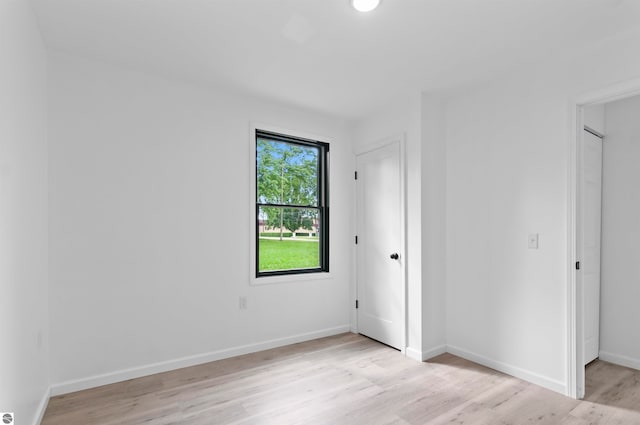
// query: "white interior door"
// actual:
[[380, 251], [591, 213]]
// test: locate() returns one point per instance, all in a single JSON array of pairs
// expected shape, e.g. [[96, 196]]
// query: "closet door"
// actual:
[[591, 206]]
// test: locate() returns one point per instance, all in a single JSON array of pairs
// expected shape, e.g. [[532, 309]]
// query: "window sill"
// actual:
[[302, 277]]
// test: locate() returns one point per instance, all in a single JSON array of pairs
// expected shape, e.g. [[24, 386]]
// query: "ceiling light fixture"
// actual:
[[365, 5]]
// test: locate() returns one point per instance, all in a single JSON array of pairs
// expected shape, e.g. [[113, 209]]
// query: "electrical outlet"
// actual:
[[243, 303]]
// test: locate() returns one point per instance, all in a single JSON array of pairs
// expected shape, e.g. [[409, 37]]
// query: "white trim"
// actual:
[[414, 354], [434, 352], [150, 369], [534, 378], [268, 280], [574, 362], [42, 407], [422, 356], [403, 236], [381, 143], [621, 90], [619, 359], [302, 277], [574, 376], [401, 140]]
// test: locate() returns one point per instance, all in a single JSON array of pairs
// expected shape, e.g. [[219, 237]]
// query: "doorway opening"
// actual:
[[602, 237]]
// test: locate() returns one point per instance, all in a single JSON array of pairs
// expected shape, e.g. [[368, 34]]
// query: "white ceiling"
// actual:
[[322, 54]]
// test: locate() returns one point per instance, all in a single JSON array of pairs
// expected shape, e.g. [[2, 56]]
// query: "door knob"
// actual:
[[394, 256]]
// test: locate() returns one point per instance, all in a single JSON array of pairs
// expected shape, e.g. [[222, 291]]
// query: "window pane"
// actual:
[[286, 173], [288, 239]]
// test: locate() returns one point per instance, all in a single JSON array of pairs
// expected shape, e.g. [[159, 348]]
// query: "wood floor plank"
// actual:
[[347, 379]]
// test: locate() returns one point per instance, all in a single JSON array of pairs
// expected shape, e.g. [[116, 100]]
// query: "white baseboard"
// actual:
[[421, 356], [433, 352], [150, 369], [534, 378], [42, 407], [414, 354], [619, 360]]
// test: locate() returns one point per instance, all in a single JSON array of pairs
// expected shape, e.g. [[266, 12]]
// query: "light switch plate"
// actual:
[[533, 241]]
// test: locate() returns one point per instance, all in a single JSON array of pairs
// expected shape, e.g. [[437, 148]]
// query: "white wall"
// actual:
[[620, 292], [24, 332], [433, 193], [149, 206], [507, 176], [506, 171]]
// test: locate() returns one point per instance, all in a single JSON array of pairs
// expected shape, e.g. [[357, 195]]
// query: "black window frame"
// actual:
[[322, 207]]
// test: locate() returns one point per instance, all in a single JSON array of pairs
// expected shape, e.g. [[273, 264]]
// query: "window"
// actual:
[[292, 208]]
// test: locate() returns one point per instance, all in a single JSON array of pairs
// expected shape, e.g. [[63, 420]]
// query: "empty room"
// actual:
[[319, 212]]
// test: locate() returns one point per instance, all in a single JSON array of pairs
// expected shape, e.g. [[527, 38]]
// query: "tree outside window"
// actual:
[[291, 205]]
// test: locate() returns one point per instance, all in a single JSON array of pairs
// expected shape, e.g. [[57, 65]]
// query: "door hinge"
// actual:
[[577, 265], [356, 240], [355, 174], [356, 303]]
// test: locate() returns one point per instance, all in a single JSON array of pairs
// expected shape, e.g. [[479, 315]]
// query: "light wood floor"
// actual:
[[347, 379]]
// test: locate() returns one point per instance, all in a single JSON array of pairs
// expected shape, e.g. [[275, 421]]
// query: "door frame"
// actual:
[[575, 298], [388, 141]]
